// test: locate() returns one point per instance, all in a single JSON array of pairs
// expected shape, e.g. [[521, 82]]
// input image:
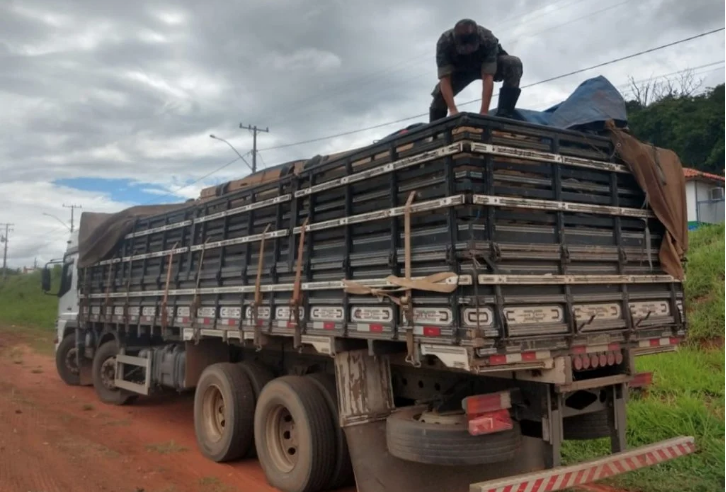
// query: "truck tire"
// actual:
[[259, 376], [342, 473], [65, 361], [103, 372], [586, 426], [450, 445], [294, 435], [224, 406]]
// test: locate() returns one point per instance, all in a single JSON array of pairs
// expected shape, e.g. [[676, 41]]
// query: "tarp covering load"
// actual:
[[588, 108], [99, 233], [660, 174]]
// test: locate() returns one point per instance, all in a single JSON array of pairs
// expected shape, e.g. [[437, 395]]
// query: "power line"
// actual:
[[551, 79]]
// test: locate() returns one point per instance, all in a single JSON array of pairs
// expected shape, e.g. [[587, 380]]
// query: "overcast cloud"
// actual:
[[131, 90]]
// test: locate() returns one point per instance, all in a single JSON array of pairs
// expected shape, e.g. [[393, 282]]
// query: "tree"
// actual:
[[675, 116]]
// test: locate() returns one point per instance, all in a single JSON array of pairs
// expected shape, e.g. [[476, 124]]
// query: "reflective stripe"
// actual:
[[571, 476]]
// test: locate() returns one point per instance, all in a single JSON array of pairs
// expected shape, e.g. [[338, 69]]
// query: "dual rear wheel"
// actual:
[[290, 423]]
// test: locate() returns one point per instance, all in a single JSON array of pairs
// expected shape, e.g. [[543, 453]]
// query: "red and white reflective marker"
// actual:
[[564, 477]]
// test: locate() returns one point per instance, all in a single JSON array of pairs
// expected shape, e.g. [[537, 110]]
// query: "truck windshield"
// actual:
[[66, 276]]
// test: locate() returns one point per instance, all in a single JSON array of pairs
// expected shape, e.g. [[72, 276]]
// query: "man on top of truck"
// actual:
[[469, 52]]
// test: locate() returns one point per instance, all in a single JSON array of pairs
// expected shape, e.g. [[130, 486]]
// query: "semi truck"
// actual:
[[437, 311]]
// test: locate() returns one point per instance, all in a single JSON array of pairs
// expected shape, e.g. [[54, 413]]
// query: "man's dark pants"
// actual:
[[509, 70]]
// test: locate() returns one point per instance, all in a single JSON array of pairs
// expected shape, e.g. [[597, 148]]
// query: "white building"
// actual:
[[704, 197]]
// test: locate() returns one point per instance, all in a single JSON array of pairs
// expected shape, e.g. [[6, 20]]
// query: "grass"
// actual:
[[705, 283], [165, 447], [23, 303]]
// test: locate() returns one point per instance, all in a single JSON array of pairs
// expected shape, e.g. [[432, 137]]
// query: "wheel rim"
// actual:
[[70, 361], [108, 373], [281, 434], [213, 408]]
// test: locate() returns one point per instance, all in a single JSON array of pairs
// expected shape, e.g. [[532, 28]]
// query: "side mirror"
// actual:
[[45, 279]]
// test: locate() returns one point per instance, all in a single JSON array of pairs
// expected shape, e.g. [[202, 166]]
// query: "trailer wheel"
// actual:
[[103, 375], [224, 404], [586, 426], [342, 473], [411, 437], [294, 435], [259, 376], [65, 361]]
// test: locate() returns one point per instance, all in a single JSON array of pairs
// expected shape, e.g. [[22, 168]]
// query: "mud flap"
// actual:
[[85, 373]]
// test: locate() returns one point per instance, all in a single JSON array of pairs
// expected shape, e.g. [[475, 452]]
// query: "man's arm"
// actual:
[[445, 67], [448, 93], [486, 92]]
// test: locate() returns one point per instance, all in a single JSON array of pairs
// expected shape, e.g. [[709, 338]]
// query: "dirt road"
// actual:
[[57, 438]]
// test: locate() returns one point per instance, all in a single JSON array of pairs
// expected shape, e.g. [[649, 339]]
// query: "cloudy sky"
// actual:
[[107, 104]]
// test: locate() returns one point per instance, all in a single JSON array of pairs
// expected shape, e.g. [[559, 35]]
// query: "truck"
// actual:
[[437, 311]]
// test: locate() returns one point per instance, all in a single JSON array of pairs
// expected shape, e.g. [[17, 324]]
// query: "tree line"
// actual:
[[676, 114]]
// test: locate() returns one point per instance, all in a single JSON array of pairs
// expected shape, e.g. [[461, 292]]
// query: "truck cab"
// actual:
[[67, 318]]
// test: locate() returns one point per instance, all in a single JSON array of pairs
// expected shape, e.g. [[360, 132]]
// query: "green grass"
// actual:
[[705, 283], [22, 302]]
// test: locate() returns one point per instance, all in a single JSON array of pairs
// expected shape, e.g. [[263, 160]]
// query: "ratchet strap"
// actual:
[[164, 314], [258, 292], [195, 301], [296, 299]]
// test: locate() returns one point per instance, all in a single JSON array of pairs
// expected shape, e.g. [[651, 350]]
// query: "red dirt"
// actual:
[[58, 438]]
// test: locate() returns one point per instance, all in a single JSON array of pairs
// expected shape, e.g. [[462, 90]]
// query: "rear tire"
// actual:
[[224, 406], [259, 376], [294, 435], [586, 426], [103, 374], [66, 362], [409, 439], [342, 473]]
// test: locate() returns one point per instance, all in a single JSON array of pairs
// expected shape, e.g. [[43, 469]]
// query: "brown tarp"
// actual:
[[99, 234], [659, 173]]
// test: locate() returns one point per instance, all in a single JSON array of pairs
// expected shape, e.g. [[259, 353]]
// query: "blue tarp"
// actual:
[[594, 102]]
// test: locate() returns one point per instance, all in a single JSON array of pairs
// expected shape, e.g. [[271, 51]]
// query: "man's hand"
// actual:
[[453, 111]]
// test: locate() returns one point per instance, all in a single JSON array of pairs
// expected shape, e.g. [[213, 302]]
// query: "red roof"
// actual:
[[690, 174]]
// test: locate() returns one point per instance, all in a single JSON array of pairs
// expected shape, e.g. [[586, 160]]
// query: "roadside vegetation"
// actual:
[[23, 303]]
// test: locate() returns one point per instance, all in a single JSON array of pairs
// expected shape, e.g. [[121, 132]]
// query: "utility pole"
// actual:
[[254, 131], [72, 207], [4, 239]]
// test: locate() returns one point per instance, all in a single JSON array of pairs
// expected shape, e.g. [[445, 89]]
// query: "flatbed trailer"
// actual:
[[472, 292]]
